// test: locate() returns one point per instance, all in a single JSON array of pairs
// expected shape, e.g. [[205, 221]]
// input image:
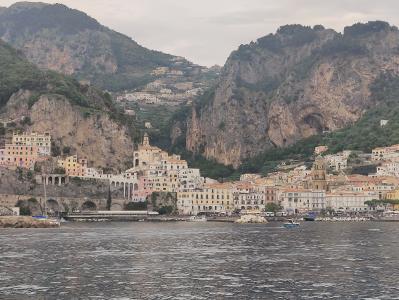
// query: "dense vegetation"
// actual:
[[17, 73]]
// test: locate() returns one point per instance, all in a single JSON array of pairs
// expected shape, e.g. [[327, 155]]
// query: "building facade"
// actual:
[[42, 142], [73, 166], [303, 200]]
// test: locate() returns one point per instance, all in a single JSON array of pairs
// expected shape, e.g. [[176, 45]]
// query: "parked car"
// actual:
[[281, 214]]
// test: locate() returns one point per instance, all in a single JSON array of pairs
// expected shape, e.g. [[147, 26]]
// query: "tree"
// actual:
[[272, 207], [109, 199], [66, 150], [55, 150], [136, 205], [24, 209], [165, 210]]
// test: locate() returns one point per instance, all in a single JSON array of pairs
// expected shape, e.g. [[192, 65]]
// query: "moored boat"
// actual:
[[310, 216], [251, 219], [291, 224], [197, 219]]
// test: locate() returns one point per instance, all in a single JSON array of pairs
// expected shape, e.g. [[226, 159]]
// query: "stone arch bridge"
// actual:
[[64, 204]]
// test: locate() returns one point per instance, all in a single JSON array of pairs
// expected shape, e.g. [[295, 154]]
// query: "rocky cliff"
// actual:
[[290, 85], [80, 119], [65, 40], [104, 142]]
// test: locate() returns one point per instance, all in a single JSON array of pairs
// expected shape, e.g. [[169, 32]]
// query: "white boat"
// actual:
[[291, 224], [244, 219], [197, 219]]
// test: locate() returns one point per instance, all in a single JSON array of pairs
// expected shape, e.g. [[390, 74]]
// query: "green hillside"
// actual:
[[364, 135], [17, 73], [69, 41]]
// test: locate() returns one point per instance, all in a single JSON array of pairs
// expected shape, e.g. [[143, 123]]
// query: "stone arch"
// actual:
[[52, 206], [89, 205], [116, 206]]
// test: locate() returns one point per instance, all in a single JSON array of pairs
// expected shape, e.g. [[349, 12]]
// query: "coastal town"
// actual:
[[294, 189], [172, 86]]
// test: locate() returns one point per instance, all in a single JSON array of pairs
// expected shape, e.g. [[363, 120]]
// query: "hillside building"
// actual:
[[73, 166], [42, 142]]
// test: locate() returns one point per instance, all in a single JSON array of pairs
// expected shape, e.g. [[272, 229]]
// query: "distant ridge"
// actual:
[[69, 41]]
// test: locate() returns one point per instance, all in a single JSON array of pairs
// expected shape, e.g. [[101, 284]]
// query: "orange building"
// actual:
[[20, 155]]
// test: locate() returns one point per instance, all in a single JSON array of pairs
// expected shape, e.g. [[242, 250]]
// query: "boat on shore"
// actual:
[[51, 221], [390, 216], [197, 219], [244, 219], [343, 219]]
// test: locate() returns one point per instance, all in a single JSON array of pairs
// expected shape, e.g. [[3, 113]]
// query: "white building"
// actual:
[[385, 153], [349, 201], [384, 123], [388, 169], [302, 200], [250, 201], [339, 161]]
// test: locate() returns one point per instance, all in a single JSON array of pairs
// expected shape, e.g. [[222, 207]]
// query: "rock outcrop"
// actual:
[[80, 119], [25, 222], [296, 83], [95, 136]]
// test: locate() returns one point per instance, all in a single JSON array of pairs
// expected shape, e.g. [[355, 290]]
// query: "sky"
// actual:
[[206, 31]]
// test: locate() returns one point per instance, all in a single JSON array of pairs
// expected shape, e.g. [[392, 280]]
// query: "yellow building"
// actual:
[[73, 166], [213, 198], [393, 195], [162, 183]]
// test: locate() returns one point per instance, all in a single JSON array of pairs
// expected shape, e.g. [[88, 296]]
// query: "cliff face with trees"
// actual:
[[80, 119], [291, 85]]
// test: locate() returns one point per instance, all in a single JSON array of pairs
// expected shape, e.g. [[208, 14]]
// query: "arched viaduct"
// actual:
[[64, 204]]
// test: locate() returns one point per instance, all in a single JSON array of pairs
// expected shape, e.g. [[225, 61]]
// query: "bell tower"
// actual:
[[146, 140], [319, 174]]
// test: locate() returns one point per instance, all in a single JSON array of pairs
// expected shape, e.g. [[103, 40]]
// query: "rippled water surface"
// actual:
[[201, 261]]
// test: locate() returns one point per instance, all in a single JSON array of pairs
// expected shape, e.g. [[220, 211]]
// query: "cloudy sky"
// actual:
[[206, 31]]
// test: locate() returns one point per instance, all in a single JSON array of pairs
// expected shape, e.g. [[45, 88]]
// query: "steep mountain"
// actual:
[[291, 85], [80, 118], [68, 41]]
